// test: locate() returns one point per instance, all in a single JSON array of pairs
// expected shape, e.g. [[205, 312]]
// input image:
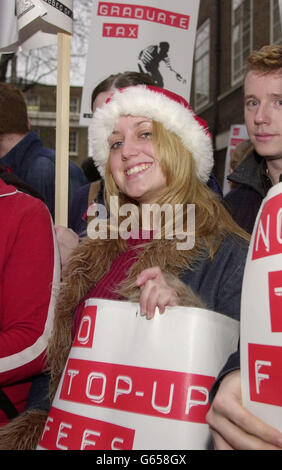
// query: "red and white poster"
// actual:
[[261, 314], [130, 383], [238, 134], [156, 37]]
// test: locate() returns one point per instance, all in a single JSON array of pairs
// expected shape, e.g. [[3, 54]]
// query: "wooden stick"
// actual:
[[62, 130]]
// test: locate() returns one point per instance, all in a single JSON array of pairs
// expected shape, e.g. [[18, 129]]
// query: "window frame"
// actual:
[[238, 75], [205, 56], [73, 153], [75, 104], [274, 40], [33, 107]]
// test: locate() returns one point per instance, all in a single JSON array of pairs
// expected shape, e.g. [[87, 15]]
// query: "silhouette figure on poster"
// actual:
[[149, 61]]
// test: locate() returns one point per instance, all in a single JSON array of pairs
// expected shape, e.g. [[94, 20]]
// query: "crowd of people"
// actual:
[[149, 147]]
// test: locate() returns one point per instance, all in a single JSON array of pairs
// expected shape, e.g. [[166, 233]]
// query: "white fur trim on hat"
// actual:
[[152, 103]]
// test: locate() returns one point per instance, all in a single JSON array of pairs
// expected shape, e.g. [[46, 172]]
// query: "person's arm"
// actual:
[[233, 426], [30, 274]]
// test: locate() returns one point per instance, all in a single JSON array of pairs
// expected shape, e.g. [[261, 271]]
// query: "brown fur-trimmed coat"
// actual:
[[90, 261]]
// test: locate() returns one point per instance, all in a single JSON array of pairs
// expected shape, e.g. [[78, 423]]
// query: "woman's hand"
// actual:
[[233, 426], [155, 292], [67, 242]]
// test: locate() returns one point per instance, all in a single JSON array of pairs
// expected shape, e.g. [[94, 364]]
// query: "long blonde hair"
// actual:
[[212, 221]]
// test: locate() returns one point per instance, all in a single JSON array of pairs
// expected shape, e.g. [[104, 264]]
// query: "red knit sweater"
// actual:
[[29, 267]]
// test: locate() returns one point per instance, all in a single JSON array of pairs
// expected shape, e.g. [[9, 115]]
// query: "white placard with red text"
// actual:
[[261, 314], [238, 134], [131, 383], [125, 36]]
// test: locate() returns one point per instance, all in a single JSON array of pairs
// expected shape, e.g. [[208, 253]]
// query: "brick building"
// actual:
[[228, 30], [41, 104]]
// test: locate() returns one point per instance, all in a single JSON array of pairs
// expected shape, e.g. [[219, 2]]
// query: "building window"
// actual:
[[73, 143], [241, 37], [275, 22], [74, 104], [202, 66], [33, 102]]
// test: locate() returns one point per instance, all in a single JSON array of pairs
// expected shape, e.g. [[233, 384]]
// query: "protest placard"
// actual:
[[130, 383], [261, 314], [156, 37]]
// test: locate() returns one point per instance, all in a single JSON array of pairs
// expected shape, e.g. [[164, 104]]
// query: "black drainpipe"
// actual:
[[217, 72]]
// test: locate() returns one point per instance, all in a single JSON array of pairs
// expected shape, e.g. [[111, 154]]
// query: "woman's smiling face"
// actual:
[[134, 165]]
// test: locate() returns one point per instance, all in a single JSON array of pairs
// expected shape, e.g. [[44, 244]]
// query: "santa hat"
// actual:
[[157, 104]]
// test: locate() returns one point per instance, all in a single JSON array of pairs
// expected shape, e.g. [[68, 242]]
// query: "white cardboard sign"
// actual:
[[238, 134], [33, 23], [156, 37], [130, 383], [261, 314]]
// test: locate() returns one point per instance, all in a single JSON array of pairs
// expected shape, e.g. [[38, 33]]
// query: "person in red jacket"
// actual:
[[29, 273]]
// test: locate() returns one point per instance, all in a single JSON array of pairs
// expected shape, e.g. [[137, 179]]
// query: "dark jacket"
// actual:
[[82, 200], [35, 165], [219, 282], [10, 178], [244, 201]]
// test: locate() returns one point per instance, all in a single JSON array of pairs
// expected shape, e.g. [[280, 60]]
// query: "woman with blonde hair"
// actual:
[[153, 152], [152, 149]]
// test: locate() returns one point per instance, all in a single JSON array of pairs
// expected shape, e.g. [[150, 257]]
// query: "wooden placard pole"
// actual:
[[62, 130]]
